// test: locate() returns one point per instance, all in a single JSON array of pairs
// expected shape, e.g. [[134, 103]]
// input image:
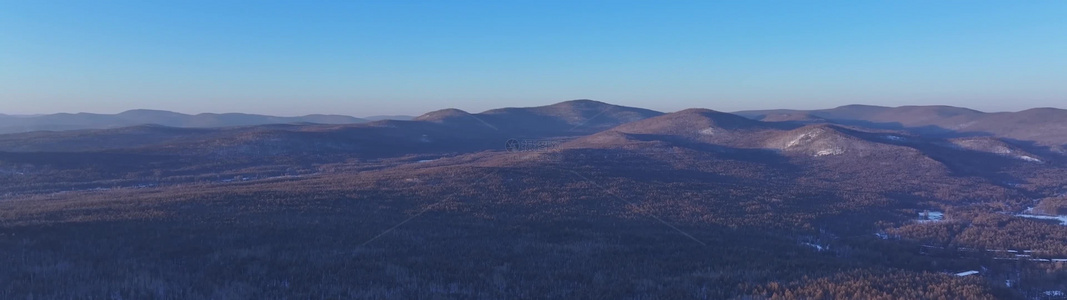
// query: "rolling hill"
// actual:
[[1043, 126]]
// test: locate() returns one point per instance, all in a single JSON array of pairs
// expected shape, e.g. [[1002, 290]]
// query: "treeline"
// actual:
[[887, 285], [571, 224], [480, 233], [1052, 206], [991, 231]]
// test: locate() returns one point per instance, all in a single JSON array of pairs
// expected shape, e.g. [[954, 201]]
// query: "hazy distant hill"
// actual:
[[575, 117], [390, 117], [66, 121], [693, 122]]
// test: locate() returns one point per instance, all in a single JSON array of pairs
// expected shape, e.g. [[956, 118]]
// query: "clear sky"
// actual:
[[408, 57]]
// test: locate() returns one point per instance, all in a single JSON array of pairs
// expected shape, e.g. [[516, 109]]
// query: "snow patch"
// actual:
[[1054, 293], [1032, 259], [968, 273], [964, 125], [1029, 158], [825, 152], [804, 137], [931, 216], [708, 131], [1061, 218], [894, 138], [817, 247]]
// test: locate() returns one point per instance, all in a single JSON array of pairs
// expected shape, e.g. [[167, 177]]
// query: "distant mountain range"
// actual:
[[1039, 131], [67, 121], [443, 130], [1042, 126]]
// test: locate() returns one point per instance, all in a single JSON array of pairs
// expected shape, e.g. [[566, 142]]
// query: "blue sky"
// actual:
[[408, 57]]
